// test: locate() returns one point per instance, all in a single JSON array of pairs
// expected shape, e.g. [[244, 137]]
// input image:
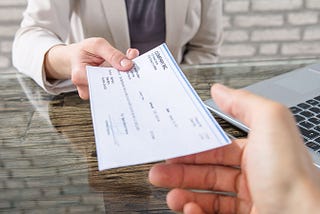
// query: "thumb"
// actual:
[[112, 56], [240, 104]]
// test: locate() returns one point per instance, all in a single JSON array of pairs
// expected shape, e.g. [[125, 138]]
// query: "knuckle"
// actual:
[[97, 41], [276, 109]]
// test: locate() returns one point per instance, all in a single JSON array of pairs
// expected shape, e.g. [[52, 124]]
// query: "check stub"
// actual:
[[148, 114]]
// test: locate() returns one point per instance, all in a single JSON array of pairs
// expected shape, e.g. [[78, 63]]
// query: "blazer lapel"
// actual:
[[176, 11], [116, 17]]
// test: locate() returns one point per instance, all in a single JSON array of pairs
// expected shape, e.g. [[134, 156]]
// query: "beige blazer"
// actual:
[[193, 31]]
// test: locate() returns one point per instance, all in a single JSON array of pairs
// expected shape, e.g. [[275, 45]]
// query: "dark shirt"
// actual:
[[147, 23]]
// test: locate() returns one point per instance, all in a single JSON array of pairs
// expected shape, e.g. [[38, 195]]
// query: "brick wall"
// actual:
[[10, 17], [254, 29], [267, 29]]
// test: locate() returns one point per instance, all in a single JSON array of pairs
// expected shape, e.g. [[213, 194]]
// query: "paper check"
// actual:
[[148, 114]]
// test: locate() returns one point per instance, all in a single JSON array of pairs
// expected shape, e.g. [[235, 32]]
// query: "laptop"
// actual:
[[299, 90]]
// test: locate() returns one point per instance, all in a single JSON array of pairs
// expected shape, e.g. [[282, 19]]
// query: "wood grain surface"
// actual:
[[47, 151]]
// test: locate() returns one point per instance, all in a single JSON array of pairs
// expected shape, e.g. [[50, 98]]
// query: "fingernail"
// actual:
[[129, 51], [125, 62]]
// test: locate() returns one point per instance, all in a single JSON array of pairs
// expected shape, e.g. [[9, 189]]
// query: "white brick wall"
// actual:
[[313, 4], [276, 5], [270, 29], [257, 20], [254, 29], [10, 17], [311, 33]]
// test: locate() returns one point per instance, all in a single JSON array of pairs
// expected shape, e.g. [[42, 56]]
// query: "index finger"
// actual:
[[226, 155], [247, 107]]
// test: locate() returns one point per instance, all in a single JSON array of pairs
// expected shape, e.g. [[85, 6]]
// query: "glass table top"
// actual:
[[47, 151]]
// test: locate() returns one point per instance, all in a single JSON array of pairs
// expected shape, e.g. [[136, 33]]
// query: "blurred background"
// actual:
[[254, 29]]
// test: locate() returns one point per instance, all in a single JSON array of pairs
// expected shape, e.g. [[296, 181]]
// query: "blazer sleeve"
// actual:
[[204, 47], [45, 24]]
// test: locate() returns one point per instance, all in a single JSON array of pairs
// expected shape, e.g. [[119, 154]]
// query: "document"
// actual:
[[149, 113]]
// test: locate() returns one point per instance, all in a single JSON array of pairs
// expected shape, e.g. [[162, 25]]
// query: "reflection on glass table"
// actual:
[[47, 152]]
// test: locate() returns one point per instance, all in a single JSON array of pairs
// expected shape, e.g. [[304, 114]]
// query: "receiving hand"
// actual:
[[276, 174], [70, 61]]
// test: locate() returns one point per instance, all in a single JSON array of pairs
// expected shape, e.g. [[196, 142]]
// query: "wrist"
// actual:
[[312, 189], [57, 63], [305, 198]]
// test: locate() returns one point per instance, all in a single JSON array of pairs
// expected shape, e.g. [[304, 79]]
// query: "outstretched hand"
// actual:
[[70, 61], [268, 172]]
